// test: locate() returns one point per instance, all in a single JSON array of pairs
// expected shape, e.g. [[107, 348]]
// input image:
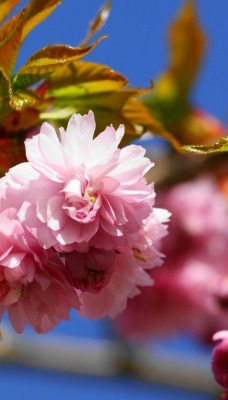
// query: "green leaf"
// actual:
[[218, 147], [48, 59], [23, 99], [5, 90], [98, 22], [6, 6], [5, 85], [139, 116], [81, 86], [10, 47], [16, 100]]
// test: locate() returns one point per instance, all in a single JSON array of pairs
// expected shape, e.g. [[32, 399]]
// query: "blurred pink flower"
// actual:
[[35, 288], [220, 360], [190, 291], [76, 190]]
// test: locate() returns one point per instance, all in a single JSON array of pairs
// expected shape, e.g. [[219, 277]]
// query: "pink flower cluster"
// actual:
[[77, 226], [190, 291]]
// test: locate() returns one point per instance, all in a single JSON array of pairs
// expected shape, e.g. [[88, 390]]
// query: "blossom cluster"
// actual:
[[77, 226], [190, 291]]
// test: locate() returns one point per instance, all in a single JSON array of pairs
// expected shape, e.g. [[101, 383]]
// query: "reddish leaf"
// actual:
[[36, 12], [9, 49], [6, 7], [187, 43], [98, 22], [49, 58]]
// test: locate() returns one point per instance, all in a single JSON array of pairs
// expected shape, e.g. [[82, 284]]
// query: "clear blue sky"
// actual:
[[137, 46]]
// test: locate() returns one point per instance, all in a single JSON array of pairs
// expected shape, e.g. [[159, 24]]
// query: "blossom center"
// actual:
[[82, 202]]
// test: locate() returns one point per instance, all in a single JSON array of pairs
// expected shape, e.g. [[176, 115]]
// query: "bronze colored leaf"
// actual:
[[170, 102], [135, 111], [7, 29], [78, 72], [187, 43], [6, 6], [81, 86], [49, 58], [218, 147], [36, 12], [10, 47], [98, 22]]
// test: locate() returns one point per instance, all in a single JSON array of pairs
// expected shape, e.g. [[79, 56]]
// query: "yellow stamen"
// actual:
[[141, 258]]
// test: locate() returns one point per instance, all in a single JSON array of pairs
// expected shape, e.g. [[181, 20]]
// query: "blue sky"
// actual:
[[137, 45]]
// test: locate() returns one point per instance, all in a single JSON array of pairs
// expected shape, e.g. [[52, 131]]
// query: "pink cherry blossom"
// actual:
[[76, 190], [86, 213], [35, 288]]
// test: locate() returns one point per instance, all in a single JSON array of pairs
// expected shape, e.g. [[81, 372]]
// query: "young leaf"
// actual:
[[48, 59], [187, 43], [16, 100], [36, 12], [5, 89], [10, 47], [80, 86], [23, 99], [138, 114], [7, 29], [5, 85], [218, 147], [78, 72], [6, 7], [98, 22], [169, 102]]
